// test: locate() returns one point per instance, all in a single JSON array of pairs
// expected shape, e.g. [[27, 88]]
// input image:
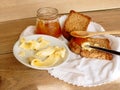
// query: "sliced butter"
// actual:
[[51, 60]]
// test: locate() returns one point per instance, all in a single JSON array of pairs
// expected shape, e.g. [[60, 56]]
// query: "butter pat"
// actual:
[[45, 52], [86, 45]]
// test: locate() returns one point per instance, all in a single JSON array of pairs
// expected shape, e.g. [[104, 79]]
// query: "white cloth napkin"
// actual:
[[86, 72]]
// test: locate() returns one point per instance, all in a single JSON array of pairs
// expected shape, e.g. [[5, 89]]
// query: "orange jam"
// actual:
[[47, 22], [79, 41], [49, 27]]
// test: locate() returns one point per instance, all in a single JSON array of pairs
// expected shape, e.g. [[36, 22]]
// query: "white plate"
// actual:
[[53, 41]]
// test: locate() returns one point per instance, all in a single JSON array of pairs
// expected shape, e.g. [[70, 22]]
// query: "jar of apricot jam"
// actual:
[[47, 22]]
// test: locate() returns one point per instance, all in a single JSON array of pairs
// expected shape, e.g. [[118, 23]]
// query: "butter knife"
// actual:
[[105, 50]]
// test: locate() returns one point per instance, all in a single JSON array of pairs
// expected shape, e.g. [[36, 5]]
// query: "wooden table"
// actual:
[[15, 76]]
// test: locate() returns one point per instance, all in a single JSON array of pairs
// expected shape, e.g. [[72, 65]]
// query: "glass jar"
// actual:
[[47, 22]]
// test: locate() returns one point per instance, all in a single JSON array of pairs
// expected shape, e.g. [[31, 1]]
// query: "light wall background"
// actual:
[[18, 9]]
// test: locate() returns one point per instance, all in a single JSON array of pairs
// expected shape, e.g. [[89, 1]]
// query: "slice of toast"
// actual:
[[77, 46], [76, 21]]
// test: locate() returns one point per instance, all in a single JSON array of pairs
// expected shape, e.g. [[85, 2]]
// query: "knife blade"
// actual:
[[105, 50]]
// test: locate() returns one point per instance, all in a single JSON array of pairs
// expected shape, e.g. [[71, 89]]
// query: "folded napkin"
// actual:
[[83, 71]]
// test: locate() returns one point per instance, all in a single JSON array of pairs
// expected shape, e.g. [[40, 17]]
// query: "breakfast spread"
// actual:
[[86, 66], [41, 53]]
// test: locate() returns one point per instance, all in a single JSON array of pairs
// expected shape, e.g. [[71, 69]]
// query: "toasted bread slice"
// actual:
[[76, 45], [76, 21]]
